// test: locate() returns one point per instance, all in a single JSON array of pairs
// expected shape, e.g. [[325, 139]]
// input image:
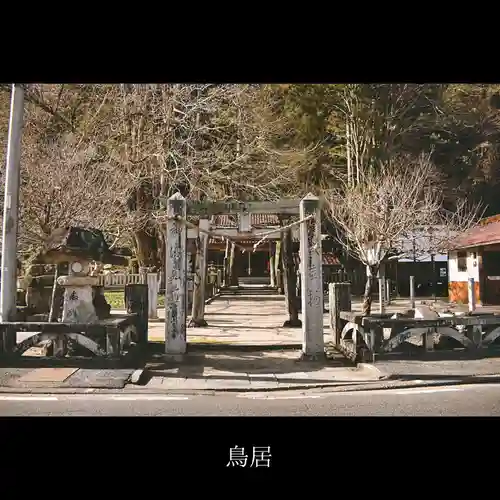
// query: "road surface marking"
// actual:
[[149, 398], [90, 397], [266, 396], [28, 398], [411, 391]]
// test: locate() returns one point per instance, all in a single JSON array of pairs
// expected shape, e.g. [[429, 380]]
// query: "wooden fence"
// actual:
[[118, 281]]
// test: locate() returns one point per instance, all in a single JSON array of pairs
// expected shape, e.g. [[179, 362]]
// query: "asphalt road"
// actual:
[[468, 400]]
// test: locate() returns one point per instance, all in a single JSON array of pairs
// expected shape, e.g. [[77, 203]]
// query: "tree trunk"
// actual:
[[147, 246], [226, 264], [368, 296], [235, 265], [198, 306], [146, 249], [290, 281]]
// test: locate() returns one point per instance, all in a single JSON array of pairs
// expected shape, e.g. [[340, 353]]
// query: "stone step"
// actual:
[[250, 280]]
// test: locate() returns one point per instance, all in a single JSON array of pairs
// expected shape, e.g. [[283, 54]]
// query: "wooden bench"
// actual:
[[84, 334]]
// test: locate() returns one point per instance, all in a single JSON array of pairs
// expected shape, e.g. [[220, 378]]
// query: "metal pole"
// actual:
[[434, 280], [10, 207], [471, 295], [412, 291]]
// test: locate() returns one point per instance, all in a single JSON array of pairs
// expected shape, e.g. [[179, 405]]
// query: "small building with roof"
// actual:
[[476, 254], [255, 264]]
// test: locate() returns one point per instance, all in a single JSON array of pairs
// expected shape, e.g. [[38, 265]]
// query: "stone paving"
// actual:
[[258, 321], [242, 322], [248, 371]]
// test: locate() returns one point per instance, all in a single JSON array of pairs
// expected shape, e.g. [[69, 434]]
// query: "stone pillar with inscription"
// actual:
[[312, 279], [153, 289], [175, 276]]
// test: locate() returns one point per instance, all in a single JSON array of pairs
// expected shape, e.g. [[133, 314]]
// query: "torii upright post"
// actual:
[[313, 345], [200, 276], [175, 276]]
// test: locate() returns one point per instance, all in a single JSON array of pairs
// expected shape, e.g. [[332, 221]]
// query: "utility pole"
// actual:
[[8, 291]]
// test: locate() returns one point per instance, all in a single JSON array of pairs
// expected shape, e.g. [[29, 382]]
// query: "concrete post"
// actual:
[[175, 272], [339, 295], [471, 295], [412, 292], [226, 265], [277, 272], [428, 339], [312, 278], [153, 289], [200, 276], [381, 295], [387, 291], [272, 266], [143, 275], [136, 302], [8, 292]]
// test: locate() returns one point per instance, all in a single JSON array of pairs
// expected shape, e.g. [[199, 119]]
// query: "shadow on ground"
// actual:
[[238, 365], [453, 365], [411, 352]]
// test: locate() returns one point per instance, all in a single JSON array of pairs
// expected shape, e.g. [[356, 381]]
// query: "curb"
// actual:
[[358, 386], [373, 369], [133, 390], [201, 346], [390, 383]]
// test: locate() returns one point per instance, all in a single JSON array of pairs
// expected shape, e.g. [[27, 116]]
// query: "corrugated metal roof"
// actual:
[[264, 220], [256, 220], [329, 259], [486, 233]]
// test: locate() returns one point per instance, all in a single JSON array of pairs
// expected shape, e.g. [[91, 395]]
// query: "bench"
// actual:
[[102, 338]]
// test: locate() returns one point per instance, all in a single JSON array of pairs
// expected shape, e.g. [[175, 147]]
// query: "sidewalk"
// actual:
[[245, 348], [249, 371]]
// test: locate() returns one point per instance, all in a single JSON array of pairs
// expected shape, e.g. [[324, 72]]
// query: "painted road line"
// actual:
[[411, 392], [92, 397], [28, 398], [149, 398], [266, 396], [119, 397]]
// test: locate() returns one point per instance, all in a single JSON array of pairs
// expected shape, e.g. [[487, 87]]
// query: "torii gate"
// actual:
[[176, 262]]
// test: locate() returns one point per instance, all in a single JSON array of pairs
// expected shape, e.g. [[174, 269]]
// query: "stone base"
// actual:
[[175, 358], [313, 357], [200, 323], [292, 323]]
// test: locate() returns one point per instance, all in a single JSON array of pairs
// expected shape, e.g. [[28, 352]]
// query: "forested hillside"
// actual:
[[100, 155]]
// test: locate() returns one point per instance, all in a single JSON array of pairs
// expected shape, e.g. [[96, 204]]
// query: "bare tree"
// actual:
[[101, 155], [62, 186], [379, 119], [375, 218], [206, 141]]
